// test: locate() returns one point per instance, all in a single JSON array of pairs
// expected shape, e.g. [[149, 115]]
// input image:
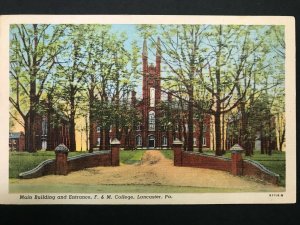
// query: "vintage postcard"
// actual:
[[147, 109]]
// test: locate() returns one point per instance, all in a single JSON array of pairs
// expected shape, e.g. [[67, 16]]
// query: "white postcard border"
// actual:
[[289, 196]]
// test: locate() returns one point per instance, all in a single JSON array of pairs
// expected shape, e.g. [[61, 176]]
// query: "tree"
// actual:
[[115, 82], [33, 55], [182, 55]]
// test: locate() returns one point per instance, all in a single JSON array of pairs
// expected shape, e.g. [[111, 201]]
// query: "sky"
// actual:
[[132, 34]]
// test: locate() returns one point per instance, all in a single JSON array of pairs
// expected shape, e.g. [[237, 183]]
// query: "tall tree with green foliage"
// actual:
[[73, 67], [181, 47], [33, 55]]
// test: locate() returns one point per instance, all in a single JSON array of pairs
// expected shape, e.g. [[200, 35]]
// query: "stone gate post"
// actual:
[[115, 152], [236, 160], [177, 149], [61, 164]]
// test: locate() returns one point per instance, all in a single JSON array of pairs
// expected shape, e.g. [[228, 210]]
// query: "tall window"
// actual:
[[204, 128], [152, 97], [195, 142], [186, 127], [164, 141], [204, 141], [138, 140], [44, 126], [138, 127], [151, 121], [98, 129]]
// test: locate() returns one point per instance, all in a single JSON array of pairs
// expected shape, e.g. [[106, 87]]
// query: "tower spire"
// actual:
[[145, 49], [158, 49], [158, 57]]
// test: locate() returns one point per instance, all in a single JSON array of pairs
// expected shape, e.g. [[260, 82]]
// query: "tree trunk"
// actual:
[[184, 135], [31, 133], [107, 141], [223, 132], [33, 101], [87, 134], [263, 143], [91, 123], [101, 145], [190, 127], [218, 133], [200, 135], [26, 129], [91, 136], [190, 140], [49, 124], [281, 141], [72, 134]]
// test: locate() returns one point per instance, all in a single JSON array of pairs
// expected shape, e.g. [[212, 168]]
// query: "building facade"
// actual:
[[16, 141], [51, 128], [150, 133]]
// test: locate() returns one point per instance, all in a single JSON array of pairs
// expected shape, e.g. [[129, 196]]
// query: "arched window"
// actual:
[[151, 121], [138, 140]]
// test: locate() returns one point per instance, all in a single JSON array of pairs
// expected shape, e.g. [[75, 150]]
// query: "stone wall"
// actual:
[[100, 158], [191, 159], [255, 169], [46, 167], [236, 165]]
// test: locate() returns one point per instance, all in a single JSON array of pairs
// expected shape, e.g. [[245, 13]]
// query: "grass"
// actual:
[[168, 154], [23, 161], [275, 162], [131, 157]]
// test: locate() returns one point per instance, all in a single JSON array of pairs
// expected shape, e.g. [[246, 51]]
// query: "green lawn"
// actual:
[[168, 154], [23, 161], [274, 162], [131, 157]]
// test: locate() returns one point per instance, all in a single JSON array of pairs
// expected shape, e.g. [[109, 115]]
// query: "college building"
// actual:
[[149, 132]]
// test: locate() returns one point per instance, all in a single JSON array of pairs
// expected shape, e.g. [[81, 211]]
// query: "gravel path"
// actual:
[[155, 169]]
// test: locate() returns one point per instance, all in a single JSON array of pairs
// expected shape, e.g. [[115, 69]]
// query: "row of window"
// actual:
[[138, 140], [152, 126]]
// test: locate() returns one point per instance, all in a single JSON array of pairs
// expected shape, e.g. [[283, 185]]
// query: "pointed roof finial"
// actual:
[[145, 49], [158, 49]]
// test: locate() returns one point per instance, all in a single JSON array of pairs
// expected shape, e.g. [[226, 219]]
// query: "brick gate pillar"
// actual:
[[236, 160], [177, 149], [115, 152], [61, 164]]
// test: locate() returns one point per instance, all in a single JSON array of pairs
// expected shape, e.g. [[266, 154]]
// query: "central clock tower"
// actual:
[[151, 98]]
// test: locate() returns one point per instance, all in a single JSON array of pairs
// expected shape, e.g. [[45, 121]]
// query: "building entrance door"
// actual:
[[151, 142]]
